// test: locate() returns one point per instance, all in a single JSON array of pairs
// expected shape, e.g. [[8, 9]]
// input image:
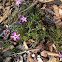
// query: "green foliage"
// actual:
[[32, 29]]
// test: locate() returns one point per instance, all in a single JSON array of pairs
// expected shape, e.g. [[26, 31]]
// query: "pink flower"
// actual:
[[61, 46], [18, 2], [15, 37], [8, 31], [60, 55], [23, 19]]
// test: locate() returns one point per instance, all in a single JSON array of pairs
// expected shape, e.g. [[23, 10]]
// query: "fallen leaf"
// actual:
[[5, 14], [45, 53], [53, 45], [24, 43], [57, 17], [31, 40], [50, 48], [45, 0], [30, 59], [52, 59], [58, 59], [60, 12], [58, 23], [56, 10]]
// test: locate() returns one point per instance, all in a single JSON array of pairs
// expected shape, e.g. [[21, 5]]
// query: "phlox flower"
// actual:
[[23, 19], [18, 2], [15, 37], [61, 46], [60, 55]]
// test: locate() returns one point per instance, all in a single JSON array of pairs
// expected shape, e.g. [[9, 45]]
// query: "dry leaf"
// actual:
[[31, 40], [57, 17], [5, 14], [29, 59], [58, 59], [24, 43], [58, 23], [60, 9], [43, 53], [50, 48], [56, 10], [52, 59], [60, 12], [45, 0], [53, 45]]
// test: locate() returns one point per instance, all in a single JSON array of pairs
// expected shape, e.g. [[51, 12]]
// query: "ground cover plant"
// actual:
[[31, 31]]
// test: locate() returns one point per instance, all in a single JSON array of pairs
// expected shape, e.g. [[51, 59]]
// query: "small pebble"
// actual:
[[33, 55]]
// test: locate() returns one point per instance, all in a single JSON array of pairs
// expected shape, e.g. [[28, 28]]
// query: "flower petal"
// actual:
[[22, 16], [11, 36], [14, 39], [25, 20], [18, 38], [61, 46], [60, 55], [18, 2], [18, 34], [22, 20], [14, 33]]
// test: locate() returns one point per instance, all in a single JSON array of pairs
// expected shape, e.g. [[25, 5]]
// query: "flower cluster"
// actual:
[[15, 37]]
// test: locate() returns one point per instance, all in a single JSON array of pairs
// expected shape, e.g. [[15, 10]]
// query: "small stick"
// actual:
[[27, 51]]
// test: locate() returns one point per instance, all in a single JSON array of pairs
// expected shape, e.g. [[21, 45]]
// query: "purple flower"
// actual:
[[8, 31], [61, 46], [23, 19], [60, 55], [15, 37], [18, 2]]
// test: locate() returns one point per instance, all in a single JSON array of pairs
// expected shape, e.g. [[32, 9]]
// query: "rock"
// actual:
[[5, 54]]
